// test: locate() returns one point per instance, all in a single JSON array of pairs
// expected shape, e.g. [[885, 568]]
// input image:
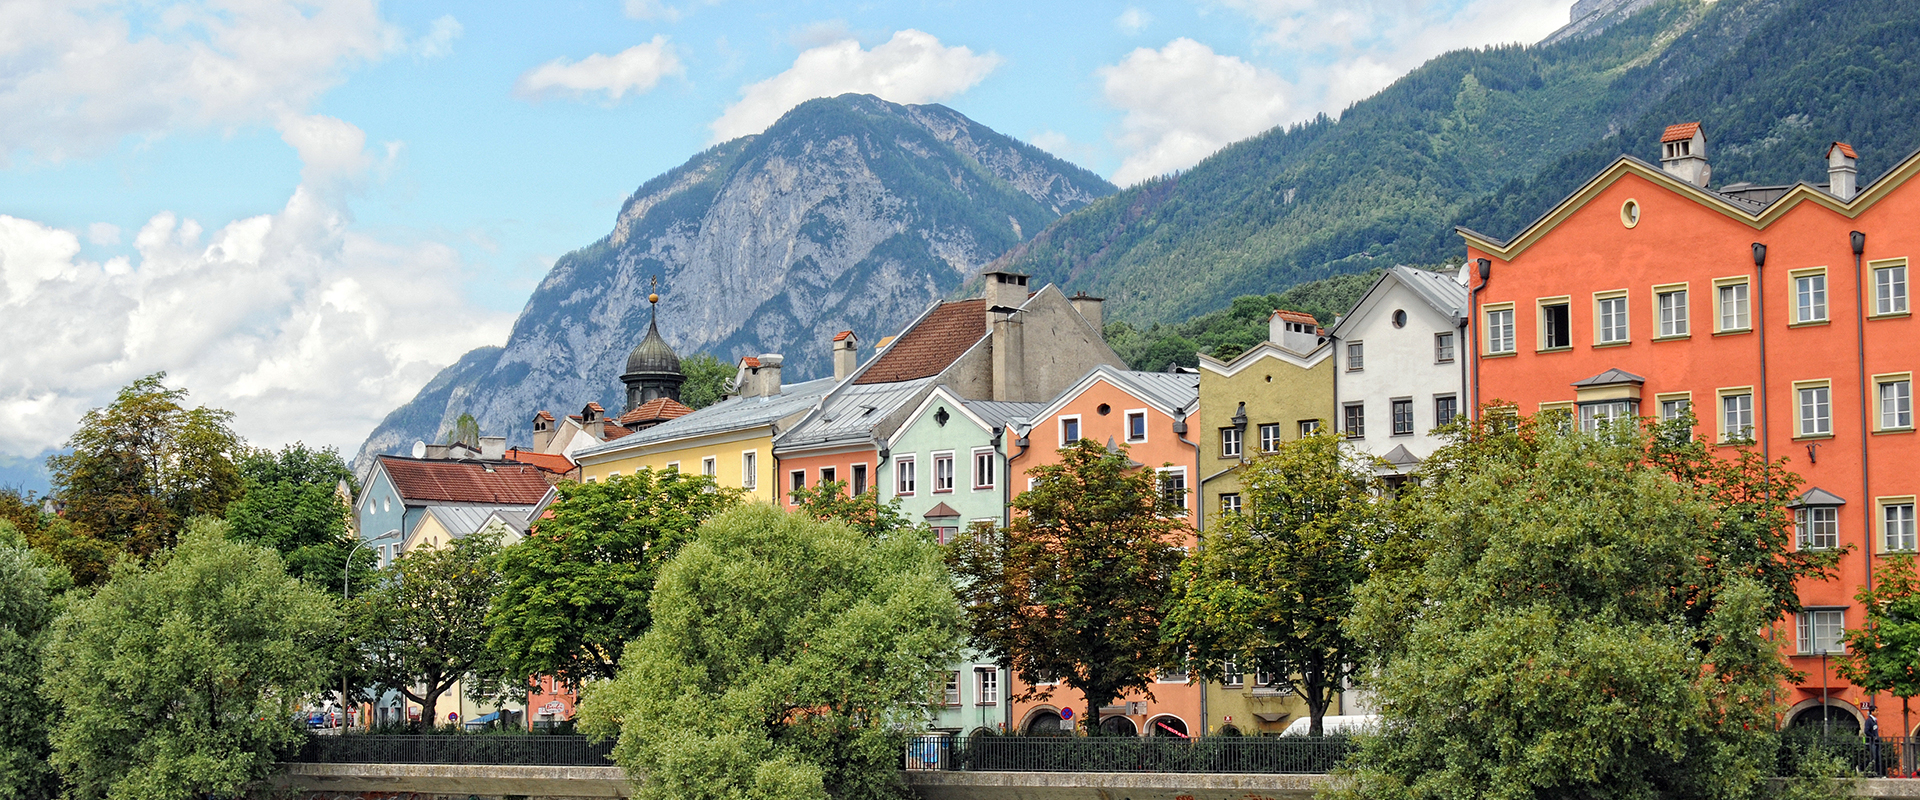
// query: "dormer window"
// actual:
[[1816, 520]]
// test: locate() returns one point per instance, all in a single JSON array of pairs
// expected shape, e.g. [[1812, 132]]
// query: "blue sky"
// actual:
[[302, 210]]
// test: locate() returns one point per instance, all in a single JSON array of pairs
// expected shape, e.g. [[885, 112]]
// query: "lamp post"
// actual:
[[346, 579]]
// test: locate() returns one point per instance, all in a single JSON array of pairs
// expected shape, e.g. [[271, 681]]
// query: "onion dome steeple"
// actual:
[[653, 369]]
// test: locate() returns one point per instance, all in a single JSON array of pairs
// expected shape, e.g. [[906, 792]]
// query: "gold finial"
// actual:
[[654, 282]]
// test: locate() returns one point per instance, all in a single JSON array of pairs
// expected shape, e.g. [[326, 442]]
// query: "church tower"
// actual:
[[653, 370]]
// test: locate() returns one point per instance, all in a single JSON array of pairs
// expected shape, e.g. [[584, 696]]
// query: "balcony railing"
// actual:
[[530, 750], [1212, 754]]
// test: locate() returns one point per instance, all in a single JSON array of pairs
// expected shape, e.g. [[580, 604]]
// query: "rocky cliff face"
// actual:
[[848, 213]]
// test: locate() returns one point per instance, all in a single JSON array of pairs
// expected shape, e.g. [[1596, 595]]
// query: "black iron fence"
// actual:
[[1878, 757], [529, 750], [1216, 754]]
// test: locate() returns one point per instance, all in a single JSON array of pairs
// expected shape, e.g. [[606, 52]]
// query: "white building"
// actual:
[[1399, 366]]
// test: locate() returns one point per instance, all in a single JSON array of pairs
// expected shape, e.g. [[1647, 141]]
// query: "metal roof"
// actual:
[[1439, 289], [463, 520], [849, 416], [1817, 496], [1175, 390], [1611, 377], [727, 415], [999, 413]]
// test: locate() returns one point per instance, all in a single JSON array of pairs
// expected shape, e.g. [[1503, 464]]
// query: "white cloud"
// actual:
[[105, 234], [1132, 20], [439, 39], [650, 10], [912, 67], [1183, 102], [636, 69], [303, 327], [80, 77]]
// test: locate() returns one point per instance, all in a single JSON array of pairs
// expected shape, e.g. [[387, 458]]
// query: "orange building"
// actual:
[[1148, 411], [1777, 313]]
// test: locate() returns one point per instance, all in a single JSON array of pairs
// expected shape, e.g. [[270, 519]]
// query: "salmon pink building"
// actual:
[[1778, 314]]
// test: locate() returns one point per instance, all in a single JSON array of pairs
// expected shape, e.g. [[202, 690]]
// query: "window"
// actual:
[[1229, 442], [829, 475], [1610, 319], [1733, 306], [1810, 297], [1231, 675], [1594, 416], [1816, 527], [1356, 419], [1069, 430], [1896, 402], [1356, 356], [1269, 437], [749, 470], [943, 472], [1445, 408], [673, 466], [1173, 484], [987, 681], [1136, 426], [1816, 409], [1556, 325], [1402, 417], [945, 533], [1500, 330], [709, 466], [1820, 631], [1673, 408], [799, 479], [1443, 348], [983, 469], [1230, 503], [951, 695], [1170, 676], [1897, 519], [859, 479], [1309, 427], [1890, 289], [1673, 312], [903, 476], [1736, 416]]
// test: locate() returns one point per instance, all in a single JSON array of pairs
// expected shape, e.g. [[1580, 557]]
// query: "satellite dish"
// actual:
[[419, 449]]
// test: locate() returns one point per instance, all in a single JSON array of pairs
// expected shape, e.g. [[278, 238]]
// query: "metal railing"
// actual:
[[530, 750], [1879, 757], [1210, 754]]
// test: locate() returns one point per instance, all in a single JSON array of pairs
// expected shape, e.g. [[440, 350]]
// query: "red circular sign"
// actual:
[[1066, 713]]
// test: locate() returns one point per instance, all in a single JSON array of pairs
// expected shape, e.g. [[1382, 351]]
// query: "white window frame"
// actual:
[[1499, 338], [710, 466], [1270, 444], [984, 465], [1816, 527], [1738, 289], [673, 465], [858, 474], [795, 485], [1809, 287], [1541, 329], [951, 692], [1612, 321], [1131, 414], [986, 686], [1897, 524], [1593, 415], [952, 478], [1812, 623], [1232, 442], [1079, 428], [905, 478], [1726, 431], [1356, 356], [1813, 408], [749, 469], [1893, 402], [1672, 315], [1307, 427], [1889, 287], [1229, 502], [1185, 488], [1443, 349]]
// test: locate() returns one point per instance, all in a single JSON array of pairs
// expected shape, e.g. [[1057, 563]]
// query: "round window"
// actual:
[[1104, 409], [1399, 318], [1630, 213]]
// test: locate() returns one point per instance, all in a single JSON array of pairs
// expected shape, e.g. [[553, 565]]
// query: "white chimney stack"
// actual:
[[768, 375], [1683, 153], [1843, 175], [1294, 331], [846, 354]]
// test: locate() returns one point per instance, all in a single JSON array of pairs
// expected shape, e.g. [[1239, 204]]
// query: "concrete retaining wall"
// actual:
[[1110, 786], [448, 781]]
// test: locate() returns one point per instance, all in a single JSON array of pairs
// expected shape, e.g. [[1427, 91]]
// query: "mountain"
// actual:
[[848, 213], [1491, 139]]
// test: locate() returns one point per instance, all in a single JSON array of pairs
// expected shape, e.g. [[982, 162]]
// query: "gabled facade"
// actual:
[[398, 493], [1779, 315], [1398, 370]]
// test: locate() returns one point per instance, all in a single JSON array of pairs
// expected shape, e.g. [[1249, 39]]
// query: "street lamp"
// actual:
[[346, 579]]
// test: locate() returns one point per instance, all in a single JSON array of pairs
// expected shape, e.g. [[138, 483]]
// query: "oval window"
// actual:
[[1104, 409], [1399, 318], [1630, 213]]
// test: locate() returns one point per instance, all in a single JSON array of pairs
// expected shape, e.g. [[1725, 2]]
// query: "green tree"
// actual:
[[1884, 654], [21, 508], [575, 591], [1547, 645], [707, 379], [1073, 589], [292, 504], [139, 468], [422, 627], [465, 430], [30, 588], [184, 678], [1272, 584], [830, 502], [784, 653]]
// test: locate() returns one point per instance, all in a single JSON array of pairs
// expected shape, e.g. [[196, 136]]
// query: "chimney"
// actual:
[[1683, 153], [1006, 290], [437, 452], [493, 448], [542, 431], [1089, 308], [1293, 331], [1842, 175], [846, 354], [768, 375]]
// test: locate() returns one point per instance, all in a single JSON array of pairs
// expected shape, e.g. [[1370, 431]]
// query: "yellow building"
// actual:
[[1274, 392], [731, 441]]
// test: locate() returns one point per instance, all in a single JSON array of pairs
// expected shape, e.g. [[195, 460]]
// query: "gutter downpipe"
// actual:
[[1858, 241], [1760, 321], [1485, 267], [1006, 518], [1199, 522], [1335, 417]]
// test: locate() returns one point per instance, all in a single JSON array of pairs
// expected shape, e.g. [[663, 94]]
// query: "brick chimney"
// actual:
[[1089, 308], [846, 354], [1683, 153], [1842, 173]]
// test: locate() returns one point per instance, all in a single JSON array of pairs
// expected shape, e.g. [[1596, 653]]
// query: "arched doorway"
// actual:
[[1118, 726], [1229, 730], [1833, 718], [1169, 726], [1045, 722]]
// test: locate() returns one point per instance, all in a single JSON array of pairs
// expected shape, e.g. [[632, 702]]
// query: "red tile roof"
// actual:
[[544, 415], [551, 462], [1845, 149], [465, 481], [1680, 132], [941, 511], [594, 407], [659, 408], [842, 335], [1295, 316], [749, 361], [611, 429], [931, 346]]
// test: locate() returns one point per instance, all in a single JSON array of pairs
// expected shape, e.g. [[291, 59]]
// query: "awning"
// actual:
[[1271, 717], [484, 719]]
